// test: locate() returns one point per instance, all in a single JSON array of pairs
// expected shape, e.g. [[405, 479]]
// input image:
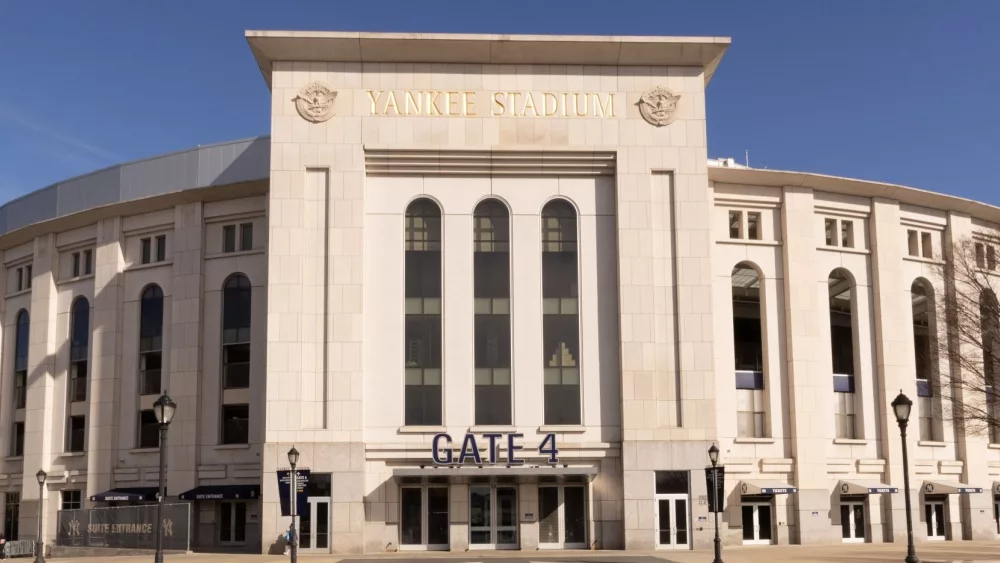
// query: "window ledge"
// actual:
[[923, 259], [748, 440], [233, 447], [144, 451], [422, 429], [19, 293], [75, 279], [851, 441], [749, 242], [488, 428], [558, 429], [148, 266], [14, 458], [993, 446], [72, 454], [234, 254], [932, 443], [846, 249]]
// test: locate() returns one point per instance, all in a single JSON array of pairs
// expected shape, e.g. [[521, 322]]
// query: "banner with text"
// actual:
[[128, 527], [285, 486]]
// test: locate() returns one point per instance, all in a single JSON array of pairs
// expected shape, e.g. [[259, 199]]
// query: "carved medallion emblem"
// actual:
[[928, 488], [315, 102], [658, 106]]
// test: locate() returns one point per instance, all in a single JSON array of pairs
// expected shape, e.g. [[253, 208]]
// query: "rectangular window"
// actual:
[[75, 430], [11, 515], [912, 243], [843, 387], [753, 225], [17, 439], [846, 233], [28, 276], [229, 238], [161, 248], [20, 278], [831, 232], [991, 261], [235, 424], [246, 236], [88, 262], [150, 369], [980, 255], [925, 416], [147, 250], [72, 500], [76, 264], [78, 381], [750, 413], [735, 224], [236, 366], [928, 246], [20, 389], [149, 430]]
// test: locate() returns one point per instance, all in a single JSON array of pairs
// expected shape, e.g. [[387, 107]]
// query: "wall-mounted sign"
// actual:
[[435, 103], [285, 489], [443, 451]]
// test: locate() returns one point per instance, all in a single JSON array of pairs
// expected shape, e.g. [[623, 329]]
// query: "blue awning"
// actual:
[[222, 492], [127, 494]]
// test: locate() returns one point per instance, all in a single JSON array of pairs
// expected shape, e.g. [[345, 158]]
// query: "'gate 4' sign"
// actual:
[[444, 453]]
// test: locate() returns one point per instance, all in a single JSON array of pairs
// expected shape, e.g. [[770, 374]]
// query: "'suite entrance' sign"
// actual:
[[434, 103]]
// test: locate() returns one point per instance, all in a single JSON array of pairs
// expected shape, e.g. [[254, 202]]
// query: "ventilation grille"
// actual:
[[401, 162]]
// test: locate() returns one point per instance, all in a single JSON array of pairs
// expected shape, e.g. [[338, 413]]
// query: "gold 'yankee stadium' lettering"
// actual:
[[434, 103]]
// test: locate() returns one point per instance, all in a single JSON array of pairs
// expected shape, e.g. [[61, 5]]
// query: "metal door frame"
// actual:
[[672, 499]]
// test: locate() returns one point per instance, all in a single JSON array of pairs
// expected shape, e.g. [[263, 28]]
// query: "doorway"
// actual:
[[493, 517], [423, 518], [758, 521], [562, 517], [672, 521], [934, 516], [852, 521], [314, 526], [232, 523]]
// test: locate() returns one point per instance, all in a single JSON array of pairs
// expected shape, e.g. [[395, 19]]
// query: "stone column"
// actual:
[[105, 350]]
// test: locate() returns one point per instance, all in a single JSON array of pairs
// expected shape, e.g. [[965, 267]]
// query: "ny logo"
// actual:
[[74, 527], [168, 527]]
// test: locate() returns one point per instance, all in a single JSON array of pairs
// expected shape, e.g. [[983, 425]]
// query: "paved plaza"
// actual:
[[964, 552]]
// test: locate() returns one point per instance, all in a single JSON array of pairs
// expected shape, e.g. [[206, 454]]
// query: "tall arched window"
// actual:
[[560, 314], [423, 314], [989, 322], [922, 301], [79, 349], [21, 359], [491, 289], [236, 295], [842, 348], [150, 340], [749, 352]]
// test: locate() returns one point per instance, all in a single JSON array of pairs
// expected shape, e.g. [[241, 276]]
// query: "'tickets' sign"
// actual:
[[443, 453]]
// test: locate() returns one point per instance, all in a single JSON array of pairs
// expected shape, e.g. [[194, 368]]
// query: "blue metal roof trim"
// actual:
[[219, 164]]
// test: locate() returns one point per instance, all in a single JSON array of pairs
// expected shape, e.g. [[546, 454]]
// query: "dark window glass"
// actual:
[[747, 337], [161, 248], [17, 439], [236, 366], [236, 304], [671, 482], [235, 424], [78, 381], [422, 352], [229, 238], [753, 225], [149, 430], [75, 433], [11, 515], [147, 254], [150, 340], [491, 242], [72, 500], [79, 349], [411, 516], [19, 273], [28, 277], [437, 516], [76, 264], [735, 224], [88, 262], [841, 323], [560, 309], [21, 341], [246, 236]]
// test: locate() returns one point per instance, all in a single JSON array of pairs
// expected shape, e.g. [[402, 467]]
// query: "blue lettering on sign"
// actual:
[[443, 453]]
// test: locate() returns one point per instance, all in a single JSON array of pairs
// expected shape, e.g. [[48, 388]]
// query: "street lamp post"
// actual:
[[901, 406], [713, 456], [164, 409], [39, 544], [293, 460]]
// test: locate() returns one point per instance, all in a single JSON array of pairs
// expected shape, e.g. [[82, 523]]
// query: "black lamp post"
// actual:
[[713, 456], [901, 406], [293, 460], [164, 408], [39, 544]]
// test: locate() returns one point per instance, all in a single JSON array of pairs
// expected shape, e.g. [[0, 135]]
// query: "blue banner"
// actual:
[[285, 486]]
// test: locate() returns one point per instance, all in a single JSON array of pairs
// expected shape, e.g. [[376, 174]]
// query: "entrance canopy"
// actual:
[[949, 488], [222, 492], [766, 488], [127, 494], [859, 487]]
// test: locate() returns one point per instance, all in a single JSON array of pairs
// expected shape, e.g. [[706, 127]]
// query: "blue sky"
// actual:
[[904, 91]]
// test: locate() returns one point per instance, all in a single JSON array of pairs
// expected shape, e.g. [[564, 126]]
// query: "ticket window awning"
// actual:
[[222, 492], [861, 487], [127, 494], [748, 488], [949, 488]]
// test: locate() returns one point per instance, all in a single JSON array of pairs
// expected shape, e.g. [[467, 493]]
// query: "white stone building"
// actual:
[[520, 237]]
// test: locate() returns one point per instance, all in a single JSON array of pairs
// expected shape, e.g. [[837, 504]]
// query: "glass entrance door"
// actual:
[[852, 521], [492, 517], [423, 518], [934, 518], [757, 523], [232, 522], [671, 521], [314, 526], [562, 518]]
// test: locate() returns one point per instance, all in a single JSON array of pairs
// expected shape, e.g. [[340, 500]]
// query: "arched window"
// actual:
[[150, 340], [560, 314], [423, 314], [491, 288], [21, 339], [749, 352], [842, 348], [79, 349], [236, 294], [989, 322], [922, 302]]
